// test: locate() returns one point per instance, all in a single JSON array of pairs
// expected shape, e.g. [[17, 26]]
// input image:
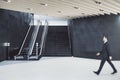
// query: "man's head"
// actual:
[[105, 39]]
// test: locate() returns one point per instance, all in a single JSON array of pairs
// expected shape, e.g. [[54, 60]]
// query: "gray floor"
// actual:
[[57, 68]]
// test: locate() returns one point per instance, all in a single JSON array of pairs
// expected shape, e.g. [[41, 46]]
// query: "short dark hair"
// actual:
[[105, 35]]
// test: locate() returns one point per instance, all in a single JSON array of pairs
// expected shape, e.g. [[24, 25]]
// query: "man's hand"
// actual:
[[98, 54], [110, 57]]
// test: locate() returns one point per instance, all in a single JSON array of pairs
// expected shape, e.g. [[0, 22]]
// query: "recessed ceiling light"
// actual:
[[8, 1], [29, 9], [76, 7], [68, 16], [59, 11], [82, 13], [97, 2], [101, 10], [43, 4]]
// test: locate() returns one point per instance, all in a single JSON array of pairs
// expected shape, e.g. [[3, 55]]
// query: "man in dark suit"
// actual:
[[105, 56]]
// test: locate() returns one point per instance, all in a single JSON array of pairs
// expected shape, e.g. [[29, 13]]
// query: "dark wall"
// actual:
[[86, 35], [13, 28]]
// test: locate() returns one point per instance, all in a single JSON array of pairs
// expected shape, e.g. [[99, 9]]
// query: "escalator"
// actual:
[[33, 43]]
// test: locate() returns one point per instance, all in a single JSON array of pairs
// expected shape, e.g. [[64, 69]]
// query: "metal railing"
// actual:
[[43, 39], [23, 41], [33, 39]]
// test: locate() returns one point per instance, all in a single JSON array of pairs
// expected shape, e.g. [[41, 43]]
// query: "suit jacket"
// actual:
[[105, 53]]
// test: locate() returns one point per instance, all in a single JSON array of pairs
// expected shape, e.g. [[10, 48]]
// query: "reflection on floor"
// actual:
[[57, 68]]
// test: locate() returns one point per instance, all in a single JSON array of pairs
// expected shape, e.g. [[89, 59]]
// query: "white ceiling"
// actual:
[[64, 8]]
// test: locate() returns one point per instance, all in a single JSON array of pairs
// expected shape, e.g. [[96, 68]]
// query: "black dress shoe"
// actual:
[[114, 72], [96, 72]]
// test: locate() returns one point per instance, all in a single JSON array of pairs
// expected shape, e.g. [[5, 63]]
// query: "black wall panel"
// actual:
[[86, 35], [13, 28]]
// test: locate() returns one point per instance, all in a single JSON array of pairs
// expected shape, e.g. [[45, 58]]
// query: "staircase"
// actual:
[[57, 42]]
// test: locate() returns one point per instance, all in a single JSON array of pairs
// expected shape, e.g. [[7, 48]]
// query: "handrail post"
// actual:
[[37, 50]]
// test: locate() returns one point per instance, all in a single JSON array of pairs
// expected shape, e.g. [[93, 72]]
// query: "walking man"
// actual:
[[105, 56]]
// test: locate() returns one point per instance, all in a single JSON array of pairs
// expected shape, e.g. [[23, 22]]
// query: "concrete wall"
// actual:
[[13, 28], [86, 35]]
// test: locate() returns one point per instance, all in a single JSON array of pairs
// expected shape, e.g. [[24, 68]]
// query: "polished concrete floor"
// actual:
[[57, 68]]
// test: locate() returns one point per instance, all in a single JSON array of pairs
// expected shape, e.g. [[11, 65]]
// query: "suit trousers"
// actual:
[[103, 62]]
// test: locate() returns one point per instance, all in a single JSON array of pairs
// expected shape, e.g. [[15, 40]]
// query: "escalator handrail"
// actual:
[[43, 39], [24, 40]]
